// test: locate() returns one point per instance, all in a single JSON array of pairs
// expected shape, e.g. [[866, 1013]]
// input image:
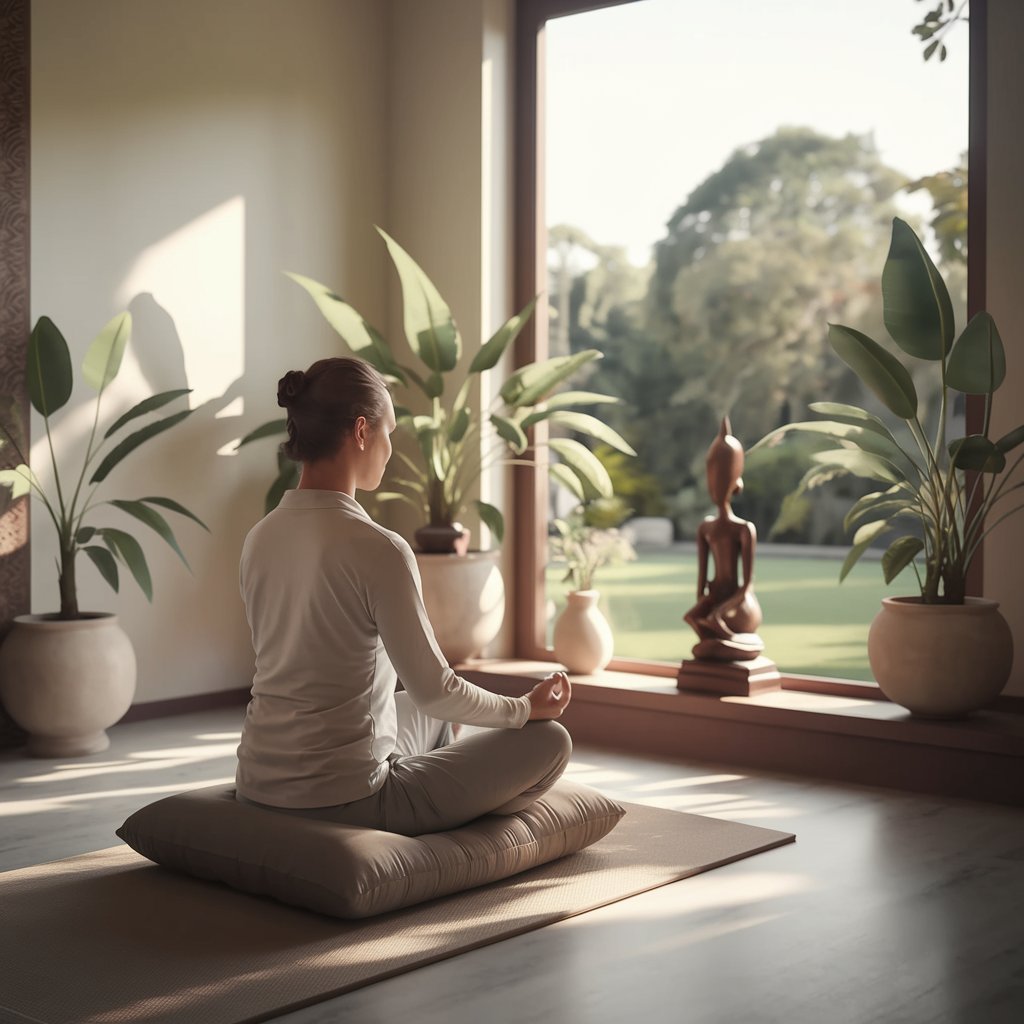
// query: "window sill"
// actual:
[[841, 731]]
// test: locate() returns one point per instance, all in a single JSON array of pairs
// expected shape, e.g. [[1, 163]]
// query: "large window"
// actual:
[[712, 185]]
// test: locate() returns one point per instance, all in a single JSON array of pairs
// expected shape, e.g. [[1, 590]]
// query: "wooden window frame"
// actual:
[[529, 486]]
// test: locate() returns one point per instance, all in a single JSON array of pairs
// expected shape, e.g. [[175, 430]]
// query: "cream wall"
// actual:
[[1004, 551], [183, 155]]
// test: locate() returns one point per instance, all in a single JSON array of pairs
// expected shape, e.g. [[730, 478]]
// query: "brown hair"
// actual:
[[324, 403]]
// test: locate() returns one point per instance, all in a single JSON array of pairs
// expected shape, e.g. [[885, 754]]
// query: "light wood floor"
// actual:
[[892, 908]]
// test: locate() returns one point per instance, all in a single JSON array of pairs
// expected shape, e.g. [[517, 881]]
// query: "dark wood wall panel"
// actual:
[[15, 569]]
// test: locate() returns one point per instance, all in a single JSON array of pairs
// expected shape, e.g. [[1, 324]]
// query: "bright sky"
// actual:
[[646, 99]]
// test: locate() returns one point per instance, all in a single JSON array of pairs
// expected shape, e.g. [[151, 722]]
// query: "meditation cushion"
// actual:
[[353, 872]]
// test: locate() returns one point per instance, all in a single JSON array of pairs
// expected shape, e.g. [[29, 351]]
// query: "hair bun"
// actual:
[[289, 387]]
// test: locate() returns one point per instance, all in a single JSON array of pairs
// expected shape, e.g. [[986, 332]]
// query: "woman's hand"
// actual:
[[550, 697]]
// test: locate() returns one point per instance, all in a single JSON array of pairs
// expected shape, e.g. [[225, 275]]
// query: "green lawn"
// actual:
[[813, 625]]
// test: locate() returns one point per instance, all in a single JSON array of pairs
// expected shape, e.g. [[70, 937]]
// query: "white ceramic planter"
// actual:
[[940, 660], [582, 637], [465, 600], [66, 682]]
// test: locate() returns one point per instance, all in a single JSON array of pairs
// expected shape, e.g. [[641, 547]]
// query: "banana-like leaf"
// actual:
[[50, 377], [125, 547], [878, 369], [860, 463], [1011, 440], [103, 358], [107, 565], [585, 464], [915, 302], [154, 521], [977, 364], [146, 405], [887, 504], [562, 474], [429, 324], [977, 452], [583, 423], [85, 534], [867, 440], [510, 432], [862, 540], [174, 506], [132, 441], [900, 553], [530, 384], [459, 425], [852, 414], [19, 480], [273, 428], [494, 348], [492, 519]]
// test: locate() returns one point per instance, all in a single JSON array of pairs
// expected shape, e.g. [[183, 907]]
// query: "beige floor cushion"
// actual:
[[353, 872]]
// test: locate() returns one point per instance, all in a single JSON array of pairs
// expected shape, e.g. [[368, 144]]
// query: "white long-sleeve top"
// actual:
[[335, 607]]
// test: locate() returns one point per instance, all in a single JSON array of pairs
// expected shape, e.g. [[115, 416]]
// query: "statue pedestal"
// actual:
[[729, 678]]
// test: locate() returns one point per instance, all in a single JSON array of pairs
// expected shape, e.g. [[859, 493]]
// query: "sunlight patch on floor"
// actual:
[[12, 809]]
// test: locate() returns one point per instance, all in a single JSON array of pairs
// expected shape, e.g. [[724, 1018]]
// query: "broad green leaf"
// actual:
[[900, 553], [862, 464], [270, 429], [871, 441], [510, 432], [125, 547], [494, 349], [977, 364], [287, 478], [566, 399], [583, 423], [85, 534], [880, 370], [879, 503], [915, 302], [977, 452], [861, 542], [434, 386], [1010, 441], [150, 404], [851, 414], [132, 441], [173, 506], [585, 464], [429, 324], [50, 377], [561, 474], [459, 425], [103, 358], [492, 519], [528, 385], [104, 561], [19, 480], [346, 320], [817, 476], [154, 521]]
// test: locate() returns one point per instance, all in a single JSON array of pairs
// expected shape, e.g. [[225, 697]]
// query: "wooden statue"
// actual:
[[726, 615]]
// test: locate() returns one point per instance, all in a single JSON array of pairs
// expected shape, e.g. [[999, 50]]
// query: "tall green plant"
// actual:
[[953, 491], [455, 443], [50, 384]]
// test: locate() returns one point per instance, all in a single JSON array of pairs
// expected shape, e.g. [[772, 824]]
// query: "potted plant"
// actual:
[[454, 443], [582, 637], [66, 676], [940, 652]]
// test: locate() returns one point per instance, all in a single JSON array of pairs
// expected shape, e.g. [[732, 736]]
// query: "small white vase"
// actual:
[[66, 681], [582, 637], [940, 660]]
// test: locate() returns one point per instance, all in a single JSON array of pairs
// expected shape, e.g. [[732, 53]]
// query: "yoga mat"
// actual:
[[109, 938]]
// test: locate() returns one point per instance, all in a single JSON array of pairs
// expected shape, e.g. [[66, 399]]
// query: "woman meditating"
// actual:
[[333, 601]]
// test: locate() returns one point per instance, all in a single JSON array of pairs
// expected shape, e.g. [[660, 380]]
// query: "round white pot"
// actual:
[[582, 637], [66, 682], [465, 600], [940, 660]]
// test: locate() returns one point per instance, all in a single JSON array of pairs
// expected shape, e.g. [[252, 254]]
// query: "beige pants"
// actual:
[[435, 785]]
